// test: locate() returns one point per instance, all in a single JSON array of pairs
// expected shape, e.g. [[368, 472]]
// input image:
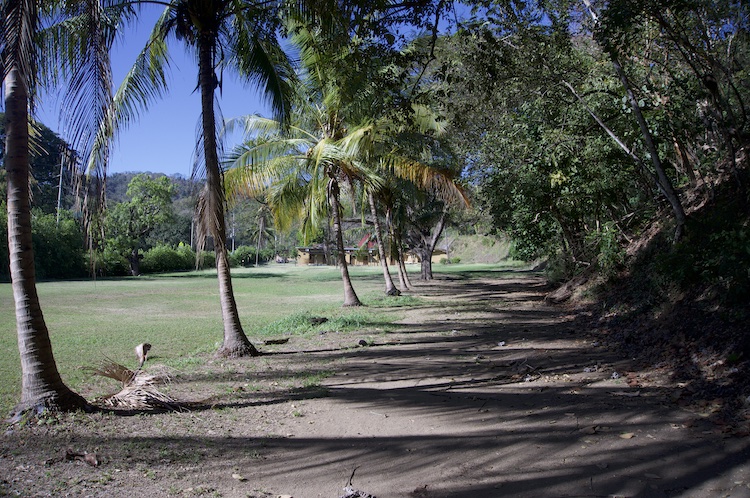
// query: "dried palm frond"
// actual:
[[110, 369], [136, 397], [138, 391]]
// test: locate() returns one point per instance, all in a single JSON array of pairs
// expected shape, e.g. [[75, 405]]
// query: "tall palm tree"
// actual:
[[75, 49], [222, 34]]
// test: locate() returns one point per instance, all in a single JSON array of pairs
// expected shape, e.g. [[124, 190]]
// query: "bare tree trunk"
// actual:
[[42, 387], [427, 247], [396, 243], [350, 296], [390, 287], [235, 342], [662, 180]]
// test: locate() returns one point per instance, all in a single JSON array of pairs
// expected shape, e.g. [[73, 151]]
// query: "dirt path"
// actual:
[[485, 391]]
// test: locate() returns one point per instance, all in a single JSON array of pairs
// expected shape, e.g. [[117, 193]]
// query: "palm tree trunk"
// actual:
[[390, 287], [41, 385], [261, 229], [403, 275], [235, 342], [350, 297], [396, 243]]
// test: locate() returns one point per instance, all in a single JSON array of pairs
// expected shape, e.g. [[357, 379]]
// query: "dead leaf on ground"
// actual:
[[88, 458], [627, 435]]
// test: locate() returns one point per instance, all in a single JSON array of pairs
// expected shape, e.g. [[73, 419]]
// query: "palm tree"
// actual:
[[326, 148], [76, 50], [406, 155], [299, 172], [222, 34]]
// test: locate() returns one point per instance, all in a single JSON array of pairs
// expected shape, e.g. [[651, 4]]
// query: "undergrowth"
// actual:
[[684, 306]]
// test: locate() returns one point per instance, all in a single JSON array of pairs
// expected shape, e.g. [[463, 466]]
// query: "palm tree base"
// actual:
[[43, 406], [238, 351], [352, 304], [393, 292]]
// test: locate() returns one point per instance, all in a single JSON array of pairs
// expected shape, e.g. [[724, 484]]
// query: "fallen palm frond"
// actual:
[[139, 389], [112, 370], [137, 397]]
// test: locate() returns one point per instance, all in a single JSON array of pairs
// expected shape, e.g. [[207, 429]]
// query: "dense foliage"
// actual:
[[59, 251], [539, 98]]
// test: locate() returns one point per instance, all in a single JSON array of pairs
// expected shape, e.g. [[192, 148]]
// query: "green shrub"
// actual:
[[58, 247], [611, 254], [206, 259], [450, 261], [108, 263], [162, 259], [242, 256]]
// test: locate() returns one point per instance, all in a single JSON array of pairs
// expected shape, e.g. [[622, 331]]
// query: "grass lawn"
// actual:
[[179, 314], [90, 321]]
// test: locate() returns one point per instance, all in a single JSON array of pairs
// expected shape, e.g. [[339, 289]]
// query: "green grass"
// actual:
[[179, 315]]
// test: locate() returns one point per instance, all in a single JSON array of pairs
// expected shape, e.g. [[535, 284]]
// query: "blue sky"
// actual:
[[163, 139]]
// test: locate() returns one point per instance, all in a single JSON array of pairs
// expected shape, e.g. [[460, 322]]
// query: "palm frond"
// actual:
[[19, 22], [145, 82], [253, 48], [139, 389]]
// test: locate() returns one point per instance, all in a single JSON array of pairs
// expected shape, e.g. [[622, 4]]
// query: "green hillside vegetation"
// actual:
[[684, 307], [482, 249]]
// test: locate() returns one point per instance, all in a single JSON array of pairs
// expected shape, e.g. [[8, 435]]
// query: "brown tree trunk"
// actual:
[[663, 182], [390, 287], [350, 297], [41, 385], [235, 342], [427, 247], [135, 263], [397, 243]]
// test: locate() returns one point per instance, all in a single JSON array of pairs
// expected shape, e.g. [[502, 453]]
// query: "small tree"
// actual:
[[128, 224]]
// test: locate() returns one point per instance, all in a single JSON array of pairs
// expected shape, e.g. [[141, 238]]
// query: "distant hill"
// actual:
[[477, 248]]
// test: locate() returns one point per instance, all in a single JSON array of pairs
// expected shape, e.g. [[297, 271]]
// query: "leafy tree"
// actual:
[[129, 224], [546, 170], [50, 158]]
